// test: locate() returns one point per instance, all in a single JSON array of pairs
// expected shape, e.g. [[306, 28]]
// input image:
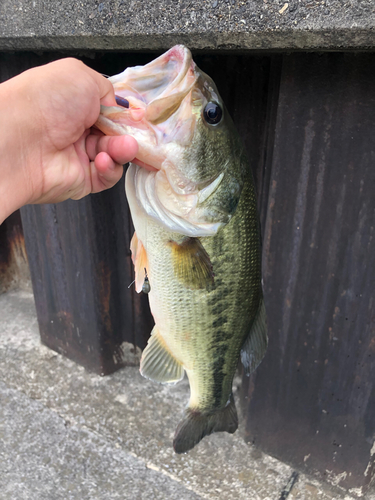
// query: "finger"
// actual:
[[105, 173], [96, 131], [106, 92], [121, 149]]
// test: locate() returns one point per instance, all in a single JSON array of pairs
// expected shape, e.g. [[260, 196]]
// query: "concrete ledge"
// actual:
[[204, 24]]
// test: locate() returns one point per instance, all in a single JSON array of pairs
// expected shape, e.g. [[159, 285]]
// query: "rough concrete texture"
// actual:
[[203, 24], [69, 434]]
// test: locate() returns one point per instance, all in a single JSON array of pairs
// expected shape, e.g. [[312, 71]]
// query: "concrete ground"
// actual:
[[71, 435]]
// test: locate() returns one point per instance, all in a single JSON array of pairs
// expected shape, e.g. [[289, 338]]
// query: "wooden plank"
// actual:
[[312, 401], [81, 268], [14, 267]]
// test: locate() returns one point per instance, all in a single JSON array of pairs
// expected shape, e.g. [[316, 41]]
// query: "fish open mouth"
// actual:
[[149, 102], [158, 87]]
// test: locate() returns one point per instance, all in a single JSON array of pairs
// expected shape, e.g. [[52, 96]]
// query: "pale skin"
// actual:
[[49, 151]]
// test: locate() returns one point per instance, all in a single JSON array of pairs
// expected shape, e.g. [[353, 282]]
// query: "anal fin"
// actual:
[[158, 364], [191, 263], [255, 345]]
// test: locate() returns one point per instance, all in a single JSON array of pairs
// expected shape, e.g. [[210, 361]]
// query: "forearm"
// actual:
[[17, 137]]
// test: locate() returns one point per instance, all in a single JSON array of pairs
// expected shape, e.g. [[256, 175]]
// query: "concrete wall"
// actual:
[[204, 24]]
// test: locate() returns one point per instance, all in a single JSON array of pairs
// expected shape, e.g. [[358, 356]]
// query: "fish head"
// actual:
[[191, 160]]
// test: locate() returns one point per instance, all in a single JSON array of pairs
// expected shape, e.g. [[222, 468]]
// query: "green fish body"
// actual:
[[197, 237]]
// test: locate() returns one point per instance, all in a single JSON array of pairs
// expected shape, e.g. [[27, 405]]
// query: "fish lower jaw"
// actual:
[[144, 165]]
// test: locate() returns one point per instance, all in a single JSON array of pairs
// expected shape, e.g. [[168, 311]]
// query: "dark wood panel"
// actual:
[[14, 267], [312, 401], [81, 268]]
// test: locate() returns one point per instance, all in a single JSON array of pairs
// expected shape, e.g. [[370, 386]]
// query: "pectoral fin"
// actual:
[[158, 364], [139, 258], [255, 345], [192, 264]]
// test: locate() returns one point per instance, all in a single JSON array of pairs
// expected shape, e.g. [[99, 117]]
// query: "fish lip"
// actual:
[[183, 55], [144, 165], [156, 100], [165, 103], [179, 53]]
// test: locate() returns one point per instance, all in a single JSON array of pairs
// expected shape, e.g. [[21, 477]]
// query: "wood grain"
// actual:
[[312, 401]]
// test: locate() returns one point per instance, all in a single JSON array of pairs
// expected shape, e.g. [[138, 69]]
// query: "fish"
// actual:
[[196, 248]]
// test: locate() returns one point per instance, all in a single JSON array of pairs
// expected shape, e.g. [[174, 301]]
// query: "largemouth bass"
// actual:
[[197, 243]]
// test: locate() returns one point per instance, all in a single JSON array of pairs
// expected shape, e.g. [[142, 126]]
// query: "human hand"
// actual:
[[49, 152]]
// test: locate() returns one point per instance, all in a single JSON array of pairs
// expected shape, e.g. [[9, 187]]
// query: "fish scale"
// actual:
[[202, 328]]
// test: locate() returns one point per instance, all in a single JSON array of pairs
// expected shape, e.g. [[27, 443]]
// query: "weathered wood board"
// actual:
[[14, 266], [312, 401]]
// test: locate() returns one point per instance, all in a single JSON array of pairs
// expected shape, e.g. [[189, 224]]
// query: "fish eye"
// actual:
[[212, 113], [121, 101]]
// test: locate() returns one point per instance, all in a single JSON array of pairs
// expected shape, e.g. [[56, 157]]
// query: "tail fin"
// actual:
[[196, 425]]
